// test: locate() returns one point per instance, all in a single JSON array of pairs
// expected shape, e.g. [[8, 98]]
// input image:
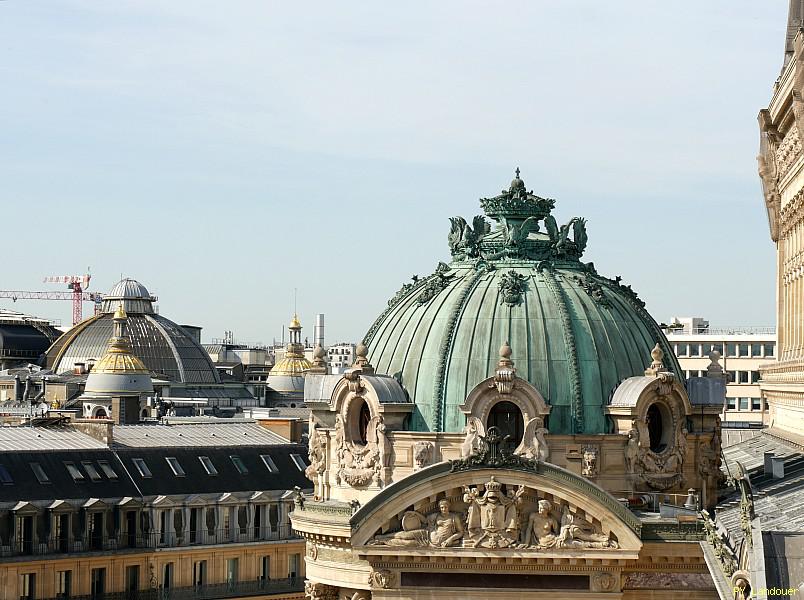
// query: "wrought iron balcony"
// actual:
[[211, 591], [149, 540]]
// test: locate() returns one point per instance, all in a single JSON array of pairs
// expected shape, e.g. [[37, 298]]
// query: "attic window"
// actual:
[[107, 470], [208, 466], [91, 471], [40, 473], [141, 467], [269, 463], [239, 465], [5, 476], [297, 460], [74, 471], [174, 465]]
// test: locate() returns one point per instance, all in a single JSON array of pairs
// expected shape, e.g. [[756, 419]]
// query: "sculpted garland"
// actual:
[[361, 464], [495, 520]]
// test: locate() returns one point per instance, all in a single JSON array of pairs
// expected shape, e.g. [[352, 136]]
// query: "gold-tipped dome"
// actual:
[[119, 371], [118, 357], [287, 375]]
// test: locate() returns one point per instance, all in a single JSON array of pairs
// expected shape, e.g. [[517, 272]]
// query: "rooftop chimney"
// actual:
[[319, 329]]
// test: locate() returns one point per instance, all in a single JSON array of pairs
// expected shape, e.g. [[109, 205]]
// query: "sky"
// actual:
[[226, 154]]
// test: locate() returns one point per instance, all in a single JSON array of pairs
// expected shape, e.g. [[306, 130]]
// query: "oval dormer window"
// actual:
[[507, 417]]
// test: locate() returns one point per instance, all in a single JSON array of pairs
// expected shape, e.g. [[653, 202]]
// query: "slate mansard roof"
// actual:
[[117, 472]]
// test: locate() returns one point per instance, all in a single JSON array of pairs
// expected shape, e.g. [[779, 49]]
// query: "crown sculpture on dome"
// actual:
[[518, 214]]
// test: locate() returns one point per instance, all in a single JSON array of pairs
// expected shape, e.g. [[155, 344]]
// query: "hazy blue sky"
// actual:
[[224, 153]]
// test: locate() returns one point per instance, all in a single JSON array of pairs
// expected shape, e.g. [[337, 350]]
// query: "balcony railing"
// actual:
[[152, 539], [203, 592]]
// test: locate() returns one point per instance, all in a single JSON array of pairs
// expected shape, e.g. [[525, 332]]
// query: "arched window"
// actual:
[[507, 417]]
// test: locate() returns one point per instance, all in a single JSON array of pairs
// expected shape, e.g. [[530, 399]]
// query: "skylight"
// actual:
[[208, 466], [40, 473], [74, 471], [173, 462], [107, 470], [297, 460], [5, 476], [93, 473], [239, 464], [141, 467], [269, 463]]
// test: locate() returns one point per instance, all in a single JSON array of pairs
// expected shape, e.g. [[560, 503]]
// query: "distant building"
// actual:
[[24, 339], [743, 350], [340, 357], [177, 363], [287, 375], [239, 362]]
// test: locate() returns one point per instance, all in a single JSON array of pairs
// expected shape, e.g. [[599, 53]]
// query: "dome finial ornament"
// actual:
[[320, 365], [506, 373], [714, 369], [656, 366], [362, 362], [517, 183]]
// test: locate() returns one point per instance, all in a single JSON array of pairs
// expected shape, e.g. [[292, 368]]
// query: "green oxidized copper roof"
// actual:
[[575, 335]]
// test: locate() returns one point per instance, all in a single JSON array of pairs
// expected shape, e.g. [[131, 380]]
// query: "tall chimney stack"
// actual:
[[319, 329]]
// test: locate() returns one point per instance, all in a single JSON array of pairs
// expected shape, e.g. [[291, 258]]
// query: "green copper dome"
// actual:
[[575, 334]]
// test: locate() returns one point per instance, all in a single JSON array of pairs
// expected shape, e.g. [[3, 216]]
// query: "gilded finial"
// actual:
[[120, 313]]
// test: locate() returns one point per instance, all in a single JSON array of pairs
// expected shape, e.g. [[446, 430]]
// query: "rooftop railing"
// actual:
[[737, 330]]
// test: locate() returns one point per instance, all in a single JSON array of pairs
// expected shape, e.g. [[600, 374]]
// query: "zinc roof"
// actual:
[[194, 435], [22, 439]]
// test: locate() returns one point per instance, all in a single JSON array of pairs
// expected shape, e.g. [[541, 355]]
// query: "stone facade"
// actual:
[[397, 514], [781, 169]]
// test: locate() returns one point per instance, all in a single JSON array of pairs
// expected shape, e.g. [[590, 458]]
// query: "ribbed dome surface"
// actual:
[[164, 347], [133, 296], [575, 335]]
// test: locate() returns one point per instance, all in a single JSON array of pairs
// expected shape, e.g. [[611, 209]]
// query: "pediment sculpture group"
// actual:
[[495, 519]]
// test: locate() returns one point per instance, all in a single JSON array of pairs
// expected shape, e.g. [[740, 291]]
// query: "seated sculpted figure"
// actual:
[[542, 529], [441, 529], [577, 533]]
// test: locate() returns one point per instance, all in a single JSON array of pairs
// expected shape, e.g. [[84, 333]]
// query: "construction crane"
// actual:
[[85, 297], [78, 294], [76, 283]]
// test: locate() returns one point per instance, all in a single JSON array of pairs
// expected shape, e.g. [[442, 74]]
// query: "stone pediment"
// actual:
[[524, 509]]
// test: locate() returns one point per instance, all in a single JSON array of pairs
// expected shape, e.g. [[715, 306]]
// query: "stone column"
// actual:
[[250, 511], [185, 524]]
